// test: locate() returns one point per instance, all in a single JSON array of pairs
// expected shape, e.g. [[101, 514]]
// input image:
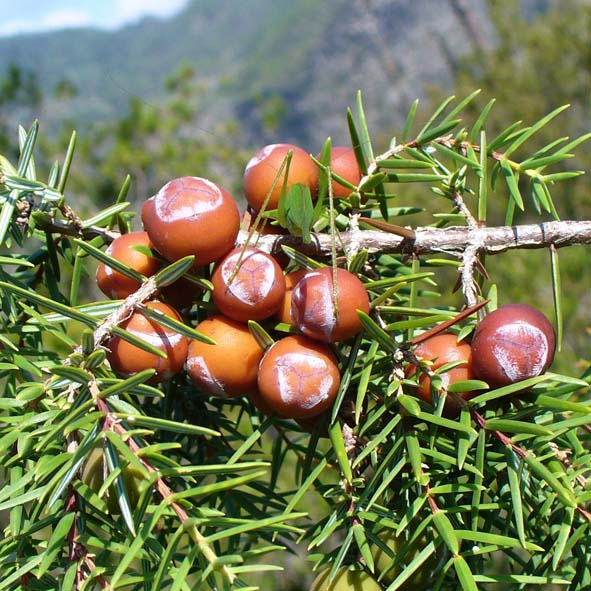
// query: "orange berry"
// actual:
[[228, 368], [128, 359], [113, 283], [262, 169], [291, 280], [248, 288], [344, 164], [298, 378], [442, 349], [313, 304], [192, 216]]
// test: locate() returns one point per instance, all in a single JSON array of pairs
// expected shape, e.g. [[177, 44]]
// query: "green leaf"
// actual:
[[399, 162], [511, 426], [506, 390], [7, 581], [299, 211], [512, 184], [167, 425], [565, 495], [464, 573], [409, 121], [477, 127], [137, 545], [534, 129], [356, 143], [28, 139], [502, 137], [415, 456], [446, 530], [138, 342], [365, 136], [56, 544], [113, 463], [108, 260], [559, 549], [40, 300], [6, 214], [123, 386], [338, 444], [364, 379], [457, 157], [174, 271], [413, 178], [447, 423], [106, 215], [481, 537], [175, 325], [410, 569], [67, 163], [363, 545], [374, 332], [438, 131], [257, 524]]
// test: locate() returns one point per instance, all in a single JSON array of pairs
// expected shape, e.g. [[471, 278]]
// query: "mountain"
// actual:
[[310, 56]]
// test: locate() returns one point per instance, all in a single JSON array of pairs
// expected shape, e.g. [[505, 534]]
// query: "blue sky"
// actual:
[[23, 16]]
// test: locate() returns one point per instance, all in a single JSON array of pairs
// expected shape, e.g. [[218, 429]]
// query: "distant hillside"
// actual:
[[312, 56]]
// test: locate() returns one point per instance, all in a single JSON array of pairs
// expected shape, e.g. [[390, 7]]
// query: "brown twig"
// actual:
[[453, 240]]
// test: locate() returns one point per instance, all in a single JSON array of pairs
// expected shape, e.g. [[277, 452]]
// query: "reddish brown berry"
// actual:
[[442, 349], [228, 368], [192, 216], [298, 377], [291, 280], [262, 169], [128, 359], [180, 294], [313, 304], [248, 285], [513, 343], [344, 164], [113, 283]]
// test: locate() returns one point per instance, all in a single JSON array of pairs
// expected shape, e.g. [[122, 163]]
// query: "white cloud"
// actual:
[[58, 19], [126, 11], [108, 14]]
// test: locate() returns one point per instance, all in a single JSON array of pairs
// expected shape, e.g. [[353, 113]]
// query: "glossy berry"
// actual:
[[344, 164], [298, 377], [128, 359], [262, 169], [345, 579], [441, 350], [113, 283], [291, 280], [313, 304], [513, 343], [248, 285], [180, 294], [191, 216], [228, 368]]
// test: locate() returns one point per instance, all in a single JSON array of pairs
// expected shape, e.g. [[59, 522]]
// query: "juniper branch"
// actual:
[[452, 240]]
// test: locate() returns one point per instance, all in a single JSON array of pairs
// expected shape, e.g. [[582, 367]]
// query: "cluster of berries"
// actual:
[[511, 344], [298, 376]]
